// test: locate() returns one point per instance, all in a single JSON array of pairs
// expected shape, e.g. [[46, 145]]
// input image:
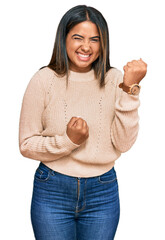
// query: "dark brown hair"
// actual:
[[59, 60]]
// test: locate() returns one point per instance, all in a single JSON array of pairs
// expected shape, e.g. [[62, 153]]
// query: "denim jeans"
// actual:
[[74, 208]]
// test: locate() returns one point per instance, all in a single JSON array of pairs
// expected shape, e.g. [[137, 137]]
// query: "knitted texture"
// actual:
[[48, 106]]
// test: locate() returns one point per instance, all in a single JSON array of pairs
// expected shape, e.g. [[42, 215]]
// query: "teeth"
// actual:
[[82, 55]]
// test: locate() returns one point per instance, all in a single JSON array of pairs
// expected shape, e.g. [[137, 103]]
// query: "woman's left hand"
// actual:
[[134, 72]]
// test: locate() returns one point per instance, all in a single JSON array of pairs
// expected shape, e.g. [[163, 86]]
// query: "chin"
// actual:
[[84, 64]]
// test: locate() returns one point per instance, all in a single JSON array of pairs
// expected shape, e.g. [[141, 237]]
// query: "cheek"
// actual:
[[71, 49], [96, 50]]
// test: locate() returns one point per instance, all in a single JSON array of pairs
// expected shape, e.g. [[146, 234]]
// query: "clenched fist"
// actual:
[[134, 72], [77, 130]]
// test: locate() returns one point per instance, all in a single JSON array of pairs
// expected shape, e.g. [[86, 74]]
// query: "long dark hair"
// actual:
[[59, 60]]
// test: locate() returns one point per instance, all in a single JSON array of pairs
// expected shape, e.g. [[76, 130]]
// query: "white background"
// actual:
[[27, 36]]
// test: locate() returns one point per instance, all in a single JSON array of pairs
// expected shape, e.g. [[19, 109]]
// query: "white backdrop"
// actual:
[[27, 36]]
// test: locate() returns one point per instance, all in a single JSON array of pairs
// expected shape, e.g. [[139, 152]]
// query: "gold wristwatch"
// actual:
[[132, 90]]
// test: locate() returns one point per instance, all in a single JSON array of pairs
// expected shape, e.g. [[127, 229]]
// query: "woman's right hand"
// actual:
[[77, 130]]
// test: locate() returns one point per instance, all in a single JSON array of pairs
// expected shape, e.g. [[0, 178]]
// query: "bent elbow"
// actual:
[[126, 146], [123, 149], [23, 151]]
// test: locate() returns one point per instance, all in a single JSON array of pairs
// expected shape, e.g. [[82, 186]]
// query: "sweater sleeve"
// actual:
[[31, 142], [125, 124]]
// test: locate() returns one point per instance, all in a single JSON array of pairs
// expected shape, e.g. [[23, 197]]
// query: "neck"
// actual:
[[82, 76]]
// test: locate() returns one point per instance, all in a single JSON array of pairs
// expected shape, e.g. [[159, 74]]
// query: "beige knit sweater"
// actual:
[[47, 107]]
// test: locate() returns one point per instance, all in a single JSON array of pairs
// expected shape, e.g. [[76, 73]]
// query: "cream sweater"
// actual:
[[47, 107]]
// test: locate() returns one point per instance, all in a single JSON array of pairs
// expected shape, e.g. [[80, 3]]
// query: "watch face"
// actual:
[[135, 90]]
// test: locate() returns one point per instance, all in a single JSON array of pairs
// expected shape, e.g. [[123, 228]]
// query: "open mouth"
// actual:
[[83, 57]]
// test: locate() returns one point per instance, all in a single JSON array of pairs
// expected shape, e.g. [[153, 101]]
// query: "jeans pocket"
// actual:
[[42, 174], [108, 177]]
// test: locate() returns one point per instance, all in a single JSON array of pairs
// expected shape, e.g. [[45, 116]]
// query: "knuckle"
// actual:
[[73, 118], [84, 131], [130, 70], [78, 127]]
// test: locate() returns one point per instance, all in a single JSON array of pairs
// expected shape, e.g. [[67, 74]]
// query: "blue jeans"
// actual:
[[73, 208]]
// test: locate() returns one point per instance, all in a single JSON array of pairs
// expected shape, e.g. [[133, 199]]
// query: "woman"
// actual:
[[78, 115]]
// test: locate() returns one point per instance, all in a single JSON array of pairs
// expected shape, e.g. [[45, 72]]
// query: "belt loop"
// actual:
[[52, 172]]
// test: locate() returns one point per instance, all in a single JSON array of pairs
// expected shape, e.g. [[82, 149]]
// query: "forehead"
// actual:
[[85, 28]]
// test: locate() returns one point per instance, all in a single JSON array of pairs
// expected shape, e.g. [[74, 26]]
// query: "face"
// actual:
[[82, 46]]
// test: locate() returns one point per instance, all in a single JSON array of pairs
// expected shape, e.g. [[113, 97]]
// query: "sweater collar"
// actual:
[[82, 77]]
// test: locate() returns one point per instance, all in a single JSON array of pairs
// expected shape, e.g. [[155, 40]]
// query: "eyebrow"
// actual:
[[83, 37]]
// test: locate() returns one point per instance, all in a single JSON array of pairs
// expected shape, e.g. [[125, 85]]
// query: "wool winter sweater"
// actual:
[[47, 107]]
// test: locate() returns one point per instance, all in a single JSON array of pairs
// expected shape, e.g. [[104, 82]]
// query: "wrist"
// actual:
[[133, 89]]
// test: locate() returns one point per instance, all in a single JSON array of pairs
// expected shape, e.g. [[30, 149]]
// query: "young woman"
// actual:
[[78, 115]]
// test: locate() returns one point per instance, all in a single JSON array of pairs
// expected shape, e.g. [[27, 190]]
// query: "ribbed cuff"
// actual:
[[128, 102]]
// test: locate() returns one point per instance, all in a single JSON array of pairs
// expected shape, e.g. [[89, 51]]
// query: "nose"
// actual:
[[85, 47]]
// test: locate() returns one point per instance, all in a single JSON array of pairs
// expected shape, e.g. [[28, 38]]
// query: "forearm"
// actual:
[[125, 126], [47, 148]]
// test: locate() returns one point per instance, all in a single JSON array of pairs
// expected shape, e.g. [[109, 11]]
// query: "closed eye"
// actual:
[[95, 40], [78, 38], [92, 40]]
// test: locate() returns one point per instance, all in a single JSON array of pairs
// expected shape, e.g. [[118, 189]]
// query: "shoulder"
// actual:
[[42, 79], [114, 76], [46, 76], [46, 73]]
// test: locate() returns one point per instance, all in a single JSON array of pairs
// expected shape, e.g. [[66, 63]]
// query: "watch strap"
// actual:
[[128, 89], [124, 87]]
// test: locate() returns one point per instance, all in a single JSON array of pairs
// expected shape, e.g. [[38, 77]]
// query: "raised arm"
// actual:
[[125, 125]]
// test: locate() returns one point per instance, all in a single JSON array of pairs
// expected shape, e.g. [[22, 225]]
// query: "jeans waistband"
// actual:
[[53, 172]]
